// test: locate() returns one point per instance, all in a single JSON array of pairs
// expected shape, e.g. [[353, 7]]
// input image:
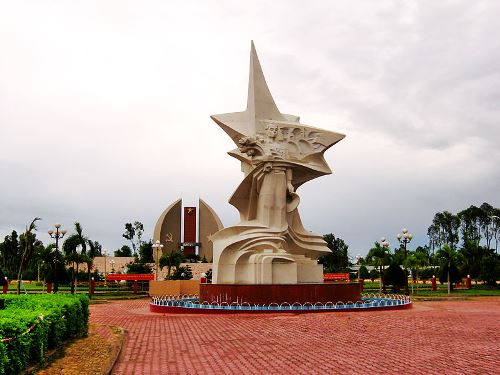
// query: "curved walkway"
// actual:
[[448, 337]]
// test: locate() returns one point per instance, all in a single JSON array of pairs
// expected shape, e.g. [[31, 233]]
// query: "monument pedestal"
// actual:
[[280, 293]]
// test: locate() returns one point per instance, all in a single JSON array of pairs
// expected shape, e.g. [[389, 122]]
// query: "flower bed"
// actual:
[[32, 324]]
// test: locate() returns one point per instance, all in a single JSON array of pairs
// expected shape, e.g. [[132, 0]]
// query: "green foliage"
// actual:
[[182, 273], [374, 274], [209, 275], [427, 273], [10, 255], [138, 267], [192, 257], [490, 269], [338, 259], [171, 260], [133, 233], [363, 272], [455, 275], [38, 323], [444, 229], [146, 252], [124, 251], [395, 276]]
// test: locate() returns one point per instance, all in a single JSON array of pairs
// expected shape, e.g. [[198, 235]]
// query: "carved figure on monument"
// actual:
[[277, 154]]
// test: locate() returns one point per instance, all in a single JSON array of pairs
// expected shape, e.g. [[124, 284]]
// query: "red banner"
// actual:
[[130, 276]]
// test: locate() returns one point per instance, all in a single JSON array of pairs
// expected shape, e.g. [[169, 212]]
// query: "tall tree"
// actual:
[[338, 259], [133, 233], [486, 223], [124, 251], [29, 244], [470, 224], [444, 229], [449, 257], [95, 249], [10, 254], [70, 246], [146, 252]]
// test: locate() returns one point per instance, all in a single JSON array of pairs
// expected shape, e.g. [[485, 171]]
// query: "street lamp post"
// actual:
[[105, 260], [157, 247], [78, 253], [57, 235], [385, 246], [404, 239]]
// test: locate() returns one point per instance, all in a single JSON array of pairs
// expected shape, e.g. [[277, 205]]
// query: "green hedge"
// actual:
[[37, 323]]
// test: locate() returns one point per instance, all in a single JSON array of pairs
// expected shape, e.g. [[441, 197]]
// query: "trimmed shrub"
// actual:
[[32, 324]]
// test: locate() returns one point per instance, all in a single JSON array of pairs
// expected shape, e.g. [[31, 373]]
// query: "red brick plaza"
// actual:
[[439, 337]]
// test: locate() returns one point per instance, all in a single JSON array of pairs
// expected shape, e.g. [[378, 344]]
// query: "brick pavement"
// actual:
[[448, 337]]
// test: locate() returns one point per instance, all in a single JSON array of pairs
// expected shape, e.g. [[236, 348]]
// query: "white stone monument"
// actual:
[[278, 154]]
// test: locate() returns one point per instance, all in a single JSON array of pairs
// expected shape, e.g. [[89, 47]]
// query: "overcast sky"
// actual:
[[105, 105]]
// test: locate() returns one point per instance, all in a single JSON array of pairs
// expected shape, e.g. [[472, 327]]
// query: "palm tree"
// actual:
[[379, 256], [449, 255], [29, 244], [95, 249], [72, 256], [169, 260]]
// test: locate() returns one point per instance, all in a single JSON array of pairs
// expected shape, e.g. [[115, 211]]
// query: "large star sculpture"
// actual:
[[306, 144]]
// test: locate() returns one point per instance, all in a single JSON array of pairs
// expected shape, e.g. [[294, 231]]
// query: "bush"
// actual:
[[374, 274], [192, 258], [137, 267], [363, 273], [31, 324], [395, 276], [455, 275], [490, 269], [182, 273]]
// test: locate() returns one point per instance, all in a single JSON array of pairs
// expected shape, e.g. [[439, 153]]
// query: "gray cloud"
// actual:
[[104, 108]]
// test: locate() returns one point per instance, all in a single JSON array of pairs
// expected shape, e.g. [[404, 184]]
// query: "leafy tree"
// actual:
[[470, 224], [338, 259], [171, 260], [10, 254], [208, 275], [95, 249], [379, 256], [449, 258], [416, 261], [133, 233], [444, 229], [374, 274], [472, 255], [395, 276], [486, 223], [427, 273], [124, 251], [490, 269], [70, 246], [182, 273], [137, 267], [29, 243], [146, 252], [363, 272]]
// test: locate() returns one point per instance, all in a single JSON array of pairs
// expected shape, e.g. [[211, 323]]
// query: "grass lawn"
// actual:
[[425, 290]]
